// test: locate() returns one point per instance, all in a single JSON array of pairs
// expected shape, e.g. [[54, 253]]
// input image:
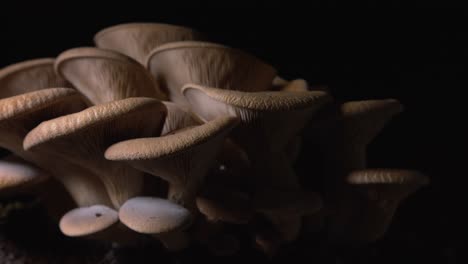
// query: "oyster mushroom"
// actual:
[[182, 158], [85, 221], [136, 40], [16, 174], [158, 217], [374, 196], [104, 75], [178, 63], [342, 136], [269, 120], [19, 114], [83, 137]]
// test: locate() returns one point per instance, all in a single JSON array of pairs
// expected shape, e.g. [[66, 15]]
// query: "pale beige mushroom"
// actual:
[[158, 217], [343, 136], [19, 114], [28, 76], [83, 137], [269, 120], [373, 198], [178, 63], [182, 158], [85, 221], [17, 174], [136, 40], [104, 75]]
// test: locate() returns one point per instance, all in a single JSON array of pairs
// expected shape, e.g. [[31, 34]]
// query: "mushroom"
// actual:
[[19, 114], [374, 195], [17, 174], [182, 158], [136, 40], [85, 221], [83, 137], [343, 135], [158, 217], [178, 63], [104, 75], [269, 120]]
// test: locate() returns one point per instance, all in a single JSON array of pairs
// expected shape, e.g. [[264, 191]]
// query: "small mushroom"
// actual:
[[158, 217], [178, 63], [28, 76], [136, 40], [373, 197], [182, 158], [87, 221], [16, 174], [83, 137], [104, 75], [343, 133]]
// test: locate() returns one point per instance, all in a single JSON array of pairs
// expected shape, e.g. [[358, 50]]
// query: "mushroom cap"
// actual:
[[24, 104], [104, 75], [29, 76], [178, 63], [184, 141], [226, 207], [15, 172], [136, 40], [88, 220], [363, 120], [129, 112], [150, 215], [273, 118], [387, 184]]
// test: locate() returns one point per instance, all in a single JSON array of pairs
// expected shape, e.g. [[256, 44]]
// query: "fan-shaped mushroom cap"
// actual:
[[104, 75], [363, 120], [83, 137], [178, 63], [21, 113], [273, 117], [343, 132], [373, 197], [150, 215], [136, 40], [182, 158], [86, 221], [28, 76], [16, 173], [387, 184]]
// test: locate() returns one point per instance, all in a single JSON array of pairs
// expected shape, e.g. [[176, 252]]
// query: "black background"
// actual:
[[419, 59]]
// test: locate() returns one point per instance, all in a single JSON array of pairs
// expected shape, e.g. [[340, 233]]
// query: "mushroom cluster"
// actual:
[[158, 133]]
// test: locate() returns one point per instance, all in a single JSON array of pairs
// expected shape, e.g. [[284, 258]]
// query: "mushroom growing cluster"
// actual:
[[157, 133]]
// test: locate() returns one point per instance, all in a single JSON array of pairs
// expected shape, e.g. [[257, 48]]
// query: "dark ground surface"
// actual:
[[422, 61]]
